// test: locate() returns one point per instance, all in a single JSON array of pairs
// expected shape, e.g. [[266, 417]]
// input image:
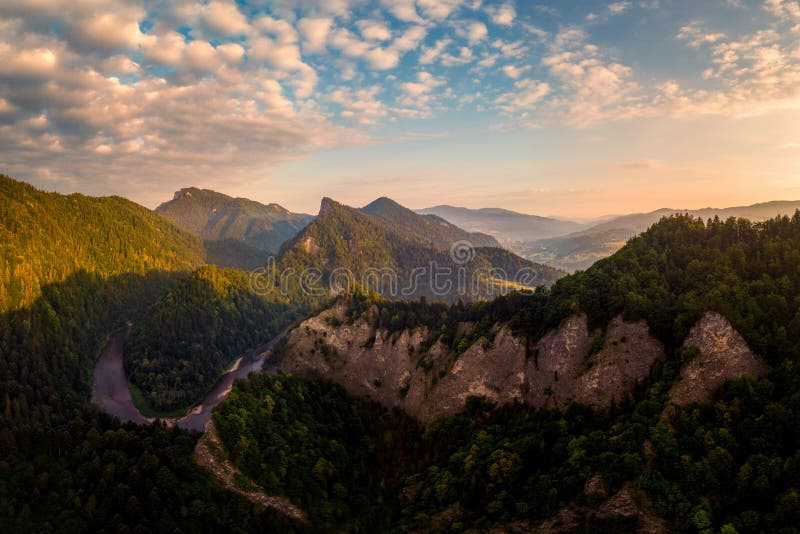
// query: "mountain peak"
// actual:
[[327, 205]]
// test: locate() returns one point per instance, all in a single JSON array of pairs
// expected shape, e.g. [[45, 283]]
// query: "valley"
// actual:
[[535, 408], [399, 267]]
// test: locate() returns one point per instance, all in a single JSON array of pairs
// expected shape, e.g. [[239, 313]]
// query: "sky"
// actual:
[[568, 108]]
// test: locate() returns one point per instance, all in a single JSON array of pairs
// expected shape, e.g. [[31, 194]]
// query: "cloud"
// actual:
[[430, 54], [361, 106], [225, 18], [616, 8], [785, 9], [425, 83], [107, 31], [527, 95], [438, 9], [315, 32], [379, 57], [27, 63], [473, 31], [502, 15], [372, 30], [404, 10], [514, 72]]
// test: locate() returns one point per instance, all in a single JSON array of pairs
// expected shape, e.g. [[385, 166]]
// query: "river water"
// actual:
[[110, 385]]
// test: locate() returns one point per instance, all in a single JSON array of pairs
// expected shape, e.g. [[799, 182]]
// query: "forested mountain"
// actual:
[[504, 225], [653, 462], [45, 237], [75, 269], [578, 250], [214, 216], [397, 240], [192, 333]]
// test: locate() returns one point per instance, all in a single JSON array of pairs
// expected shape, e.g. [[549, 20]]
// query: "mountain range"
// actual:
[[217, 217], [506, 226], [575, 246], [385, 235], [655, 391]]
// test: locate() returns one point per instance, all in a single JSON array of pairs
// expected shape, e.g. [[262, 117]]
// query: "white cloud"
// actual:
[[425, 83], [224, 17], [473, 31], [27, 63], [430, 54], [404, 10], [200, 55], [438, 9], [616, 8], [372, 30], [527, 95], [502, 15], [107, 31], [315, 32], [513, 71]]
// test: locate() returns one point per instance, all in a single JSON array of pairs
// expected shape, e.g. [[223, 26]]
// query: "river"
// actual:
[[110, 385]]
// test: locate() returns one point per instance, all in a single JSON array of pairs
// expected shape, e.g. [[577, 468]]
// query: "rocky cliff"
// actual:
[[411, 371], [722, 355]]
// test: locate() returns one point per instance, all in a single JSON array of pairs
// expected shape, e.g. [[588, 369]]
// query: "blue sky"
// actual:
[[558, 108]]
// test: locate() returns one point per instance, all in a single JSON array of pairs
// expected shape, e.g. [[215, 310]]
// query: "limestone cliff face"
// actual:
[[563, 368], [424, 378], [724, 355]]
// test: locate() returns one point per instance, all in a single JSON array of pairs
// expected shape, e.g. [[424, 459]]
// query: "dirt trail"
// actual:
[[209, 454]]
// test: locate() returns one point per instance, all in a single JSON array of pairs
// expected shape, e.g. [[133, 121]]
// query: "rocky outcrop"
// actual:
[[723, 355], [563, 368], [427, 380], [629, 504]]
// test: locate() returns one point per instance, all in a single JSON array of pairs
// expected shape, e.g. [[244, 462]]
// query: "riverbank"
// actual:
[[111, 391]]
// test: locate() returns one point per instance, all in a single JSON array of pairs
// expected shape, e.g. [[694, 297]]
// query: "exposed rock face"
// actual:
[[724, 355], [562, 368], [399, 370], [628, 503]]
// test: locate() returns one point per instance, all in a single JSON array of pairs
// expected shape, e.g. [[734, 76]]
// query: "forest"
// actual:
[[195, 331], [74, 269], [733, 466]]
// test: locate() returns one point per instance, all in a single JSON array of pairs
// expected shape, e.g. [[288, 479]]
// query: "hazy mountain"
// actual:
[[506, 226], [581, 249], [430, 228], [387, 235], [214, 216]]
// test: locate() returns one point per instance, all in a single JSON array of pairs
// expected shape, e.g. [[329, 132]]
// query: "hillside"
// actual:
[[74, 269], [362, 246], [579, 250], [45, 237], [504, 225], [214, 216], [680, 351]]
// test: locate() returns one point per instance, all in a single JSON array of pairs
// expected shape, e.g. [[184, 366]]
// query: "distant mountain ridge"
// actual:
[[215, 216], [506, 226], [579, 250], [386, 235], [428, 227]]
